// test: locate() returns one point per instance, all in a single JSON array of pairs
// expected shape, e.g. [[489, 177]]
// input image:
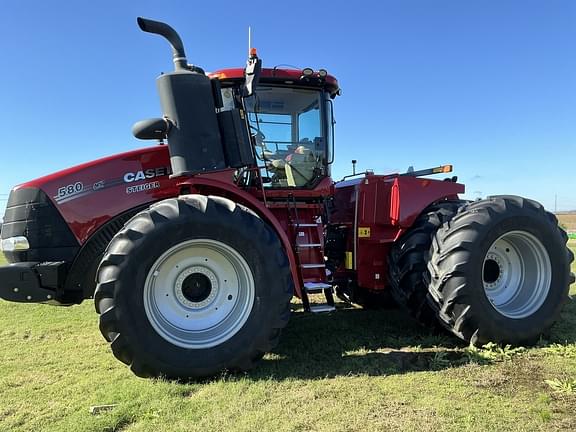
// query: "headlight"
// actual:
[[12, 244], [307, 72]]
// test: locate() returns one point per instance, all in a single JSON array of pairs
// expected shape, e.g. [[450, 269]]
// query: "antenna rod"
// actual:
[[249, 40]]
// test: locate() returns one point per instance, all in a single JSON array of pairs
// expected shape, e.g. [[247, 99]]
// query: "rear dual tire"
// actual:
[[408, 261], [492, 270], [192, 286], [499, 271]]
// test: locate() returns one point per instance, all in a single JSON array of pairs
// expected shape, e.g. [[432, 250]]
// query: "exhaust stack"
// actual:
[[188, 105], [162, 29]]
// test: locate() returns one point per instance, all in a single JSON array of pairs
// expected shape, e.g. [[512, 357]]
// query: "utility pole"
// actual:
[[555, 203]]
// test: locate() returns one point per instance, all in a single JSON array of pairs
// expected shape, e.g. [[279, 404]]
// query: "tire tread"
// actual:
[[168, 211]]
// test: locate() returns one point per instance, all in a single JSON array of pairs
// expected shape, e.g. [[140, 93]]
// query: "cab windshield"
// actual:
[[291, 138]]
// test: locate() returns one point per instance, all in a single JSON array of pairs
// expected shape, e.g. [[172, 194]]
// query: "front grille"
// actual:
[[30, 213]]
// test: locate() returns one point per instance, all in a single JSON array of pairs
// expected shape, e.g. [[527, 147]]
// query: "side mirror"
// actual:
[[151, 129], [252, 73]]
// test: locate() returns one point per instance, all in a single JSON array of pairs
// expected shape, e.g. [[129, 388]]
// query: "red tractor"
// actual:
[[193, 250]]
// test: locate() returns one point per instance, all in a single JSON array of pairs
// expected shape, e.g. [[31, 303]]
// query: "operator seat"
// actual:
[[297, 168]]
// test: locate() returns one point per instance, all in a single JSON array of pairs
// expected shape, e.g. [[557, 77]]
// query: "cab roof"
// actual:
[[282, 76]]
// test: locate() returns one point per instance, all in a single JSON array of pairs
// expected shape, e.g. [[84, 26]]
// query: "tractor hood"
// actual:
[[88, 195]]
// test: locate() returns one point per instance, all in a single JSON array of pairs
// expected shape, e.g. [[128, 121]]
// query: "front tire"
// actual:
[[192, 286], [499, 271]]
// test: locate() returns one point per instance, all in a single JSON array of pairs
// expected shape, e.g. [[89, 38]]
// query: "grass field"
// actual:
[[354, 370], [568, 221]]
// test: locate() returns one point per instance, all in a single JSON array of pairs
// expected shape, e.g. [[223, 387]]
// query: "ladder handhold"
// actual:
[[308, 266]]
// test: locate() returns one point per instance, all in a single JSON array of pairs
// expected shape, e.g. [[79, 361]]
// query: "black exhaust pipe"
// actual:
[[162, 29], [188, 107]]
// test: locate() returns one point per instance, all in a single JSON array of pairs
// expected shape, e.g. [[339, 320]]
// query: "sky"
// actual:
[[488, 86]]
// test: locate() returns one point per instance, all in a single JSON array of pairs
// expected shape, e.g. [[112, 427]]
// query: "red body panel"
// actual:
[[110, 186], [377, 210], [386, 205], [105, 192]]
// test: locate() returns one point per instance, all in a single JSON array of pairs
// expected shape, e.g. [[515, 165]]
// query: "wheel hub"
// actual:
[[196, 287], [492, 272], [516, 274], [199, 293]]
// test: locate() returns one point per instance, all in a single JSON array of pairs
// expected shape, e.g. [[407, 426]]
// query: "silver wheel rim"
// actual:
[[516, 274], [199, 293]]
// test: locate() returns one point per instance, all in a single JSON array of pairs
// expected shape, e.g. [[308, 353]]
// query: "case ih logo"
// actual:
[[149, 173]]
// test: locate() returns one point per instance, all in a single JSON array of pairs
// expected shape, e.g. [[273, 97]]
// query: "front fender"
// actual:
[[209, 186]]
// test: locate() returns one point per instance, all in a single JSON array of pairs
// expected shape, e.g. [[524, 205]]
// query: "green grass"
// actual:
[[354, 370]]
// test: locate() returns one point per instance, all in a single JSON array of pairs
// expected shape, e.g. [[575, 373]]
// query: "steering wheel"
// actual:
[[259, 137]]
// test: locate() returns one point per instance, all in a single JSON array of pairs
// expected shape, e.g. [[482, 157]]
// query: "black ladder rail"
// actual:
[[314, 241]]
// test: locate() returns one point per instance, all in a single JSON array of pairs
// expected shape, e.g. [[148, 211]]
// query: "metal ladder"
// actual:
[[310, 257]]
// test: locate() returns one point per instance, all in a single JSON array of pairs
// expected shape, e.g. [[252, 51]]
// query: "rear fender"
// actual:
[[411, 195]]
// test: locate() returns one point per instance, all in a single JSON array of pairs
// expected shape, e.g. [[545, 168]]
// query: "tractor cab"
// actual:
[[291, 121], [272, 126]]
